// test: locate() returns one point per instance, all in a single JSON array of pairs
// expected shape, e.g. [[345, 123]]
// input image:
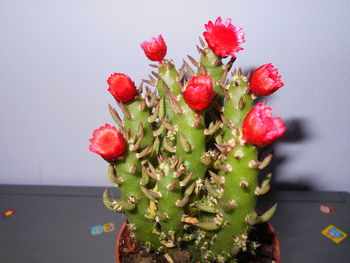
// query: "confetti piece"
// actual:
[[325, 209], [9, 213], [108, 227], [334, 234], [96, 230]]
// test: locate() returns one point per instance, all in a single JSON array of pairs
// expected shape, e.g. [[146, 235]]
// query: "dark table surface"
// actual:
[[60, 224]]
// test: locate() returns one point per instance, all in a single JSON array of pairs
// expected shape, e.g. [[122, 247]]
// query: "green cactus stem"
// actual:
[[191, 139], [241, 179], [128, 170], [212, 65], [168, 78], [240, 183], [188, 125], [170, 188], [237, 105]]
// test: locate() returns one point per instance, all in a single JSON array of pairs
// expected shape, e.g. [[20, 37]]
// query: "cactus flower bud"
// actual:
[[260, 128], [199, 92], [224, 39], [121, 87], [265, 80], [107, 142], [155, 49]]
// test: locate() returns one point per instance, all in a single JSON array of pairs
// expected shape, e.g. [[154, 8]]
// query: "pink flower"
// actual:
[[260, 128], [265, 80], [155, 49], [107, 142], [224, 39], [199, 92], [121, 87]]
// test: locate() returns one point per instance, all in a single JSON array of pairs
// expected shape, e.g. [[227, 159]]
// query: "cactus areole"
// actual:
[[185, 155]]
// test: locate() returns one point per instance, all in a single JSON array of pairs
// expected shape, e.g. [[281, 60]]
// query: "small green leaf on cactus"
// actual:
[[115, 116], [266, 161], [112, 176], [265, 185]]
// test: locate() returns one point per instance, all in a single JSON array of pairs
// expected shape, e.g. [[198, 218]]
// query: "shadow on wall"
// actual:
[[296, 132]]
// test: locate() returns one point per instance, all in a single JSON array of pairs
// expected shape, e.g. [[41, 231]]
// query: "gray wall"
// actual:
[[55, 57]]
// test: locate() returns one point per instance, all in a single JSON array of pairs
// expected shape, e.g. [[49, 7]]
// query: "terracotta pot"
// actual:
[[276, 242], [124, 236]]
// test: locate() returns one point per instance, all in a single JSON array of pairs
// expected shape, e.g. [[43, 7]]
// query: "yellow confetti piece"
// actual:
[[9, 212], [334, 234]]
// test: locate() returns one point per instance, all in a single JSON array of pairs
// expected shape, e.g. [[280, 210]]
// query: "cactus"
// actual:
[[185, 157]]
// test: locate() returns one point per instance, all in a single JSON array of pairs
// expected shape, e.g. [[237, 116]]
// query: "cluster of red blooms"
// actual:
[[224, 39]]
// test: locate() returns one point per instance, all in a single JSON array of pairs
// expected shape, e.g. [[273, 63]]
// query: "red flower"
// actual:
[[107, 142], [155, 49], [224, 39], [199, 92], [121, 87], [265, 80], [260, 128]]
